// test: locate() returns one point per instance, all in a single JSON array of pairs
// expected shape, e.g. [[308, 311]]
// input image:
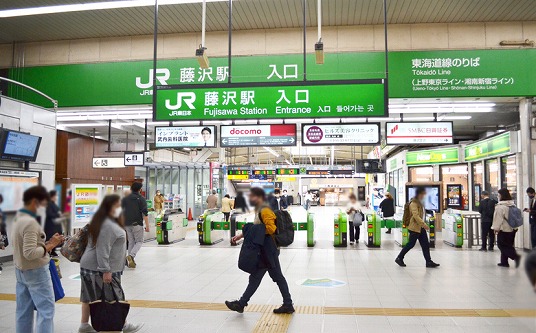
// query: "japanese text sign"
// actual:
[[341, 134]]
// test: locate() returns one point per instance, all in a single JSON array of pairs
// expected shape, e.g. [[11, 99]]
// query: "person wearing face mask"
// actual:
[[31, 258], [103, 261], [288, 198], [158, 201], [277, 202], [532, 215], [52, 222], [414, 215]]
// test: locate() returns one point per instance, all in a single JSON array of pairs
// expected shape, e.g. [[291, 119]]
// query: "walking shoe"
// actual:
[[86, 328], [132, 328], [235, 306], [130, 262], [400, 262], [285, 308], [490, 249], [482, 250], [518, 261], [388, 232], [431, 264], [503, 265]]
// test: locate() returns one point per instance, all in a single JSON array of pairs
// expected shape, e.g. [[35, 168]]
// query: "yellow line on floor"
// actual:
[[273, 323], [267, 310]]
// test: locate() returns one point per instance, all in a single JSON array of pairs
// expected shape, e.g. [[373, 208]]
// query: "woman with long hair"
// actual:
[[505, 233], [103, 261]]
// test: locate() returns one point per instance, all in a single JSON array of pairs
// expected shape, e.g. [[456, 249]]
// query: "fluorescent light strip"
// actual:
[[441, 110], [439, 105]]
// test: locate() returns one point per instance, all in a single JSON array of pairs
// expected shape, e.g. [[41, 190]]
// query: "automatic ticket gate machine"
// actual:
[[453, 229], [171, 227], [374, 228], [340, 229], [211, 226], [401, 231]]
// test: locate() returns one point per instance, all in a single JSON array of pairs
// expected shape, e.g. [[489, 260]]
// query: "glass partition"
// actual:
[[509, 175], [492, 177], [421, 174]]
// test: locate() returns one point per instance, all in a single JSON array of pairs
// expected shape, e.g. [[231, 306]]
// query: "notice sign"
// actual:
[[312, 99], [85, 202], [134, 159], [341, 134], [258, 135], [185, 137], [412, 133]]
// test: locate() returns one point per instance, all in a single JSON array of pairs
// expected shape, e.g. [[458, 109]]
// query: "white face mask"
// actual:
[[117, 212], [41, 211]]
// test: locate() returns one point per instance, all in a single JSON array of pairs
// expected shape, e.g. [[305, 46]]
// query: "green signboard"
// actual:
[[288, 171], [315, 99], [494, 146], [432, 156]]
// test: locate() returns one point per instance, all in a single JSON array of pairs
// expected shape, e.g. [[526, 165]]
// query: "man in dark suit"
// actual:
[[486, 208], [532, 215]]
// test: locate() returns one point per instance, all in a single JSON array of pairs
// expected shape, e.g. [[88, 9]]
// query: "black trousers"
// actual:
[[422, 237], [226, 216], [533, 234], [487, 233], [505, 243], [355, 230]]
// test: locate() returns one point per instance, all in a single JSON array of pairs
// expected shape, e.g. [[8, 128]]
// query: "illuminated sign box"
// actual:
[[415, 133]]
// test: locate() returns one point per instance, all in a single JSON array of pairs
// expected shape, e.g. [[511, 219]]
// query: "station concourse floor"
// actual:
[[182, 287]]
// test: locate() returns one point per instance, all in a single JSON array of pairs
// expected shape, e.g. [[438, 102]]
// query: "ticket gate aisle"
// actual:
[[211, 226], [452, 229], [401, 233], [154, 220], [172, 227], [374, 230], [340, 229]]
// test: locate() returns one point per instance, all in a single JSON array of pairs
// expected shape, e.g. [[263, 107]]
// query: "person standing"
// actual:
[[288, 198], [30, 255], [532, 215], [3, 230], [307, 198], [506, 235], [226, 207], [270, 257], [103, 261], [52, 221], [414, 215], [68, 199], [486, 208], [277, 202], [240, 202], [387, 207], [158, 202], [355, 218], [135, 214], [212, 200]]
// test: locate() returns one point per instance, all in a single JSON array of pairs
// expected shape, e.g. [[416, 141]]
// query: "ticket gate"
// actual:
[[153, 225], [340, 229], [211, 226], [401, 233], [374, 228], [453, 229], [388, 222], [172, 227]]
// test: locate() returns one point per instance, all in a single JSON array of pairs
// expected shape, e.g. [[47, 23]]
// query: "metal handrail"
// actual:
[[55, 102]]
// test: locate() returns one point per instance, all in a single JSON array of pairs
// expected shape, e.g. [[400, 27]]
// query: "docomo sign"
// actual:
[[258, 135], [436, 132]]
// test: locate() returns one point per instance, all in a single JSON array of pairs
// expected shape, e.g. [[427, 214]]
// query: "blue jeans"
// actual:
[[34, 291]]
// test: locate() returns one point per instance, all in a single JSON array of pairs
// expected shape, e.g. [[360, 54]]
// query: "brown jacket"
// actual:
[[158, 201], [416, 222]]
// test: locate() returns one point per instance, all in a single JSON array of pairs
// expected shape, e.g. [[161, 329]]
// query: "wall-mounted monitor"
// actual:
[[370, 166], [432, 201], [18, 146], [454, 196]]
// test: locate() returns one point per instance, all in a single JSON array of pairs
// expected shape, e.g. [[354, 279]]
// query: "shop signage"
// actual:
[[134, 159], [435, 156], [312, 99], [85, 202], [238, 174], [341, 134], [108, 162], [494, 146], [412, 133], [258, 135], [287, 171], [185, 137]]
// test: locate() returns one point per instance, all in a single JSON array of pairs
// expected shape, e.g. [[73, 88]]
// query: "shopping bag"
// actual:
[[73, 248], [108, 316], [56, 283]]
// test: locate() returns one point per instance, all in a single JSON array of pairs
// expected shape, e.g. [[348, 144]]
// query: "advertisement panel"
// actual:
[[454, 195], [257, 135], [185, 137], [85, 202], [433, 156], [340, 134], [418, 133], [494, 146], [13, 183]]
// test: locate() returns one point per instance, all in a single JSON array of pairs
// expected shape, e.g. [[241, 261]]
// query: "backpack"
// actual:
[[284, 233], [75, 246], [515, 217]]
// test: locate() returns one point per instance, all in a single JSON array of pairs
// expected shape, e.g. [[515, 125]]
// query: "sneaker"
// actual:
[[388, 232], [351, 243], [518, 261], [490, 249], [482, 250], [400, 262], [288, 309], [86, 328], [503, 265], [431, 264], [132, 328], [235, 306], [130, 262]]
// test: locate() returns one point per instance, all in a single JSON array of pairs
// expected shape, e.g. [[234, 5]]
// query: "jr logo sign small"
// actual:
[[162, 75], [187, 97]]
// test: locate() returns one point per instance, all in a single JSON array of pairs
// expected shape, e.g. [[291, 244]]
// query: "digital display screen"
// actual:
[[432, 201], [20, 146], [185, 137]]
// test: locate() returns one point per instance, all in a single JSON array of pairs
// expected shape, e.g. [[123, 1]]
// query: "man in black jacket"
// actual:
[[277, 202], [486, 209], [240, 202], [135, 214], [532, 215]]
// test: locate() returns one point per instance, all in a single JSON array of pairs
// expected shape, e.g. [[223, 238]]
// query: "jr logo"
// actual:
[[187, 97], [162, 75]]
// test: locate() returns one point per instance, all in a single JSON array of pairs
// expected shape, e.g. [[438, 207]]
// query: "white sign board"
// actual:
[[185, 136], [258, 135], [134, 159], [341, 134], [412, 133], [108, 162], [85, 201]]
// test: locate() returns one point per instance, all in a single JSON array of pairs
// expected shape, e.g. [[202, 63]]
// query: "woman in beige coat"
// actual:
[[506, 235]]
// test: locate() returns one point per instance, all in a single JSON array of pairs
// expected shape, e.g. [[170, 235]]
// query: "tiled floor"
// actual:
[[186, 272]]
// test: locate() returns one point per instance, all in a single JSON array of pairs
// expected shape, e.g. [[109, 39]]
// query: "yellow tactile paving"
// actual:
[[272, 323]]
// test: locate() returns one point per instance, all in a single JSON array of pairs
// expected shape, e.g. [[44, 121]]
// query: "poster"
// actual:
[[185, 136], [13, 184], [454, 195], [85, 202]]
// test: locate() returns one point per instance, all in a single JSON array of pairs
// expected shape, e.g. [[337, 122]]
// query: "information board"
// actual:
[[340, 134], [85, 202], [415, 133], [258, 135], [13, 183]]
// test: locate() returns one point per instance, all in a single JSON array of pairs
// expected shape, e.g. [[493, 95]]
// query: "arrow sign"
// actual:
[[134, 159], [107, 163]]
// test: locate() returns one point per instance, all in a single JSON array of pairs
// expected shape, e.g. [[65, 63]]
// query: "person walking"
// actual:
[[226, 207], [212, 200], [103, 261], [387, 207], [414, 215], [532, 215], [486, 208], [158, 202], [53, 219], [355, 218], [240, 202], [270, 257], [31, 258], [135, 214], [277, 202], [506, 235], [307, 198]]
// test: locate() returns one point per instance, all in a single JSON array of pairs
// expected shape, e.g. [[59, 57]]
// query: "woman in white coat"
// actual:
[[505, 233]]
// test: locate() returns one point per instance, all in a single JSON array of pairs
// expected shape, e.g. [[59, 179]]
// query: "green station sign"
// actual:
[[432, 156], [316, 99], [494, 146]]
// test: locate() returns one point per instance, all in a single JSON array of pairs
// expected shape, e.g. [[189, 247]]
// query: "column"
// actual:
[[525, 172]]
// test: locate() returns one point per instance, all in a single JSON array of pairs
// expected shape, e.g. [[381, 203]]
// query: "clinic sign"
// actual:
[[340, 134], [185, 137], [320, 99], [415, 133], [491, 147], [431, 157], [258, 135]]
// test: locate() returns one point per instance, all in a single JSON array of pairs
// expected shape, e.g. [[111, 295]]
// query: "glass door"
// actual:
[[492, 178], [509, 175]]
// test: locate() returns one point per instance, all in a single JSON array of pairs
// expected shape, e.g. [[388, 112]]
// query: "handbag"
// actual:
[[74, 246], [359, 217], [108, 316], [56, 283]]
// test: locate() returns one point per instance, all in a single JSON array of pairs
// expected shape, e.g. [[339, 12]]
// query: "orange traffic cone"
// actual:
[[190, 215]]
